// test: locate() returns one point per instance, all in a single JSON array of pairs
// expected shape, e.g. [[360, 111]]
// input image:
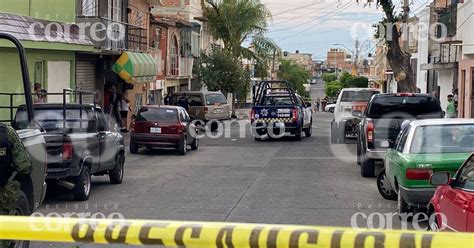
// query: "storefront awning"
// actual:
[[136, 67]]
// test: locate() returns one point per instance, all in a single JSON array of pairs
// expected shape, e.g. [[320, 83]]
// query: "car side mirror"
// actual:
[[440, 179], [357, 113]]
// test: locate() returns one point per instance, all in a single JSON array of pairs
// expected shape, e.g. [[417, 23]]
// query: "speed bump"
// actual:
[[213, 234]]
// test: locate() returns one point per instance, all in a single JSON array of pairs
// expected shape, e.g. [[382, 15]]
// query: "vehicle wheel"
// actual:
[[133, 148], [116, 174], [214, 126], [82, 185], [367, 167], [384, 187], [298, 135], [403, 208], [309, 131], [22, 208], [334, 132], [195, 144], [433, 223], [182, 147]]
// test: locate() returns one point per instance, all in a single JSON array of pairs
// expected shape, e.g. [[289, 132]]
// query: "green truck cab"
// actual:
[[422, 148], [33, 186]]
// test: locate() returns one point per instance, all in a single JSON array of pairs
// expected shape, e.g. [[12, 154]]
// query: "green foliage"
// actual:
[[360, 82], [296, 75], [221, 71], [333, 88], [346, 79], [329, 77], [349, 81]]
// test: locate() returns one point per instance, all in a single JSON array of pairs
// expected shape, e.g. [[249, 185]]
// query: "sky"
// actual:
[[314, 26]]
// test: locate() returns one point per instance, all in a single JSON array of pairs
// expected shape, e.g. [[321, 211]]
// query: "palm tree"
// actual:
[[237, 21]]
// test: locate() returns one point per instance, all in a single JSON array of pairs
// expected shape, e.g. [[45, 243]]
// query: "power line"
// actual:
[[298, 8], [304, 23]]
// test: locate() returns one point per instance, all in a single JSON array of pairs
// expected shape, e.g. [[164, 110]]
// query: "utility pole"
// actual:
[[273, 64], [406, 12], [356, 59]]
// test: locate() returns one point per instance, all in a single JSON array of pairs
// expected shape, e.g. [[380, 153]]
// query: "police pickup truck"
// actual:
[[278, 110]]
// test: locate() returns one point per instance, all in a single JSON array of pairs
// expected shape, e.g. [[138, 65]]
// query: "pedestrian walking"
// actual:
[[318, 103], [116, 108], [184, 102], [451, 108], [15, 163]]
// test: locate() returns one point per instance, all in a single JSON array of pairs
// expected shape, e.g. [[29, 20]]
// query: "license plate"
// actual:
[[385, 144], [155, 130], [218, 111], [279, 124]]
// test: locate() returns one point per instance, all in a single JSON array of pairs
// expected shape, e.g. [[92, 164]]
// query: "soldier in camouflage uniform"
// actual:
[[19, 164]]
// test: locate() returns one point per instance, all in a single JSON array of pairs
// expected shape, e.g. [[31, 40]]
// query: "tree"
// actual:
[[237, 21], [399, 60], [333, 88], [296, 75], [329, 77], [360, 82], [221, 71]]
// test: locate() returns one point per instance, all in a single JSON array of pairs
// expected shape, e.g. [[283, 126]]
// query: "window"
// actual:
[[195, 101], [174, 57], [157, 114], [89, 8], [357, 96], [465, 177], [115, 10], [437, 139], [103, 125], [402, 139], [212, 99]]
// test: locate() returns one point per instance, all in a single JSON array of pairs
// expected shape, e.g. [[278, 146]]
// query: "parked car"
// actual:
[[163, 126], [452, 205], [330, 108], [78, 145], [206, 106], [424, 147], [278, 108], [344, 123], [381, 121]]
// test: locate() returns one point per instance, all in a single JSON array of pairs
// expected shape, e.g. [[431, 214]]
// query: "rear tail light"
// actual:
[[132, 126], [67, 151], [295, 115], [252, 115], [177, 129], [206, 110], [418, 174], [370, 131]]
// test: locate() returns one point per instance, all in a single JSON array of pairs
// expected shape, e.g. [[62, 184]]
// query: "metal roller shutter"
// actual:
[[85, 78]]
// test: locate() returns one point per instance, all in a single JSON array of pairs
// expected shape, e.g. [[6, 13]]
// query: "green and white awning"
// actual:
[[136, 67]]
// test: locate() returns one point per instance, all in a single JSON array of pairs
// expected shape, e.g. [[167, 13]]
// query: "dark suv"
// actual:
[[381, 122]]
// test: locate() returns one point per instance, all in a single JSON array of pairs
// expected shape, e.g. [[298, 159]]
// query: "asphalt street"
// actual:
[[236, 179]]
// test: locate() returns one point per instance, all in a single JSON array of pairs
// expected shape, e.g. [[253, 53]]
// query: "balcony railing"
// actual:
[[105, 34]]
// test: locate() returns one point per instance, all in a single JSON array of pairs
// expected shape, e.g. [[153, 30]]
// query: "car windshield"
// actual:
[[357, 96], [51, 119], [404, 107], [212, 99], [452, 138], [157, 114]]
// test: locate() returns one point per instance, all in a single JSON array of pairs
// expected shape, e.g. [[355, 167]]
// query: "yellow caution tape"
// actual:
[[208, 234]]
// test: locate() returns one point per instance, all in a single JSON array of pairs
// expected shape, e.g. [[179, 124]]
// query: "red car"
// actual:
[[163, 126], [453, 202]]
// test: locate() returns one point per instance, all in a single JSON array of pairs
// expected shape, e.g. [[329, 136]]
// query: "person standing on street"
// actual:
[[14, 162], [167, 100], [318, 103], [124, 108], [184, 102], [39, 93], [451, 109]]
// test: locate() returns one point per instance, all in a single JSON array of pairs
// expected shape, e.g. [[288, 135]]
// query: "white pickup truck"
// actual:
[[344, 123]]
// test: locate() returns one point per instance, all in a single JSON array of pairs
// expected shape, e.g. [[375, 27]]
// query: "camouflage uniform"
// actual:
[[20, 163]]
